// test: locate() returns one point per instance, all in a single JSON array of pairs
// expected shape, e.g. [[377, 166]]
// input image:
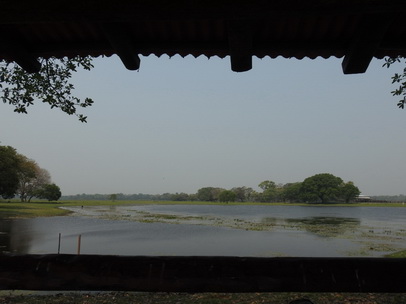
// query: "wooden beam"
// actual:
[[215, 48], [201, 274], [27, 11], [18, 52], [123, 45], [29, 63], [240, 44], [367, 40]]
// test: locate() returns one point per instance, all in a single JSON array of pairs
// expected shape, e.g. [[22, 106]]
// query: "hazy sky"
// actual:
[[179, 124]]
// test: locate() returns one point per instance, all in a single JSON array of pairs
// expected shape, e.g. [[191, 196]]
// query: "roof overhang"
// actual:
[[357, 30]]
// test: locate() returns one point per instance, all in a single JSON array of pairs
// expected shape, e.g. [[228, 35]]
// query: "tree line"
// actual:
[[23, 177], [319, 188]]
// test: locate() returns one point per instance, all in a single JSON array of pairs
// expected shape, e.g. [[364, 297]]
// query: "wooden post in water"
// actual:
[[59, 243], [79, 240]]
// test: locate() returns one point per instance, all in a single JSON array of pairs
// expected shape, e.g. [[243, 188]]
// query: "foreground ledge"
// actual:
[[201, 274]]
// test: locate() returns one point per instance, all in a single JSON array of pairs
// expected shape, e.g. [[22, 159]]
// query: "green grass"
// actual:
[[16, 209], [26, 210], [399, 254]]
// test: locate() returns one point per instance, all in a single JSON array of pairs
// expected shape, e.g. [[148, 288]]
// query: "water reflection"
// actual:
[[208, 230], [15, 236], [5, 235], [21, 237]]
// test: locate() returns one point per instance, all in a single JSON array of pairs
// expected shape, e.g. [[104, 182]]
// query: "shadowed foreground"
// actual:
[[206, 298], [187, 280], [201, 274]]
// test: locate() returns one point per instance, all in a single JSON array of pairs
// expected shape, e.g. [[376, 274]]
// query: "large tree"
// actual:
[[42, 178], [269, 191], [179, 196], [291, 192], [20, 175], [227, 196], [50, 85], [26, 174], [349, 191], [208, 194], [321, 188], [9, 165], [31, 178], [50, 192], [242, 194]]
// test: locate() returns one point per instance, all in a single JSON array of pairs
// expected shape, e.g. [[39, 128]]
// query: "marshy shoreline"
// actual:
[[17, 209], [40, 209]]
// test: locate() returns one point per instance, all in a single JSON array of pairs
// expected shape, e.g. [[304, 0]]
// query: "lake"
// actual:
[[212, 230]]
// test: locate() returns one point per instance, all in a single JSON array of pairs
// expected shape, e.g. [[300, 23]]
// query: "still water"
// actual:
[[211, 230]]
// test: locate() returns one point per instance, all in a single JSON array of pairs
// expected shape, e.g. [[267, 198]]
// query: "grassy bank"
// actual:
[[399, 254], [16, 209]]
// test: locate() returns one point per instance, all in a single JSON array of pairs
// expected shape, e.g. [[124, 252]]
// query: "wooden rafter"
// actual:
[[367, 40], [122, 43], [28, 62], [128, 11], [20, 54], [357, 30], [240, 44]]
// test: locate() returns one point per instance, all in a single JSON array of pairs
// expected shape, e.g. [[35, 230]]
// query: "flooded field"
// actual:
[[212, 230]]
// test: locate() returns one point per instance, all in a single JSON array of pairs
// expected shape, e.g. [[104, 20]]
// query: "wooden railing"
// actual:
[[201, 274]]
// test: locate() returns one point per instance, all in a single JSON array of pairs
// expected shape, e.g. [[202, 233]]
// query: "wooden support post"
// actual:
[[59, 243], [240, 44], [79, 242]]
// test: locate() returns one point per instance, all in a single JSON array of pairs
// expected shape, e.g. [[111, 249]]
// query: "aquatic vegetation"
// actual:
[[326, 226]]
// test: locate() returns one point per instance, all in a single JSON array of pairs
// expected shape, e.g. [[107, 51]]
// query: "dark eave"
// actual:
[[357, 30]]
